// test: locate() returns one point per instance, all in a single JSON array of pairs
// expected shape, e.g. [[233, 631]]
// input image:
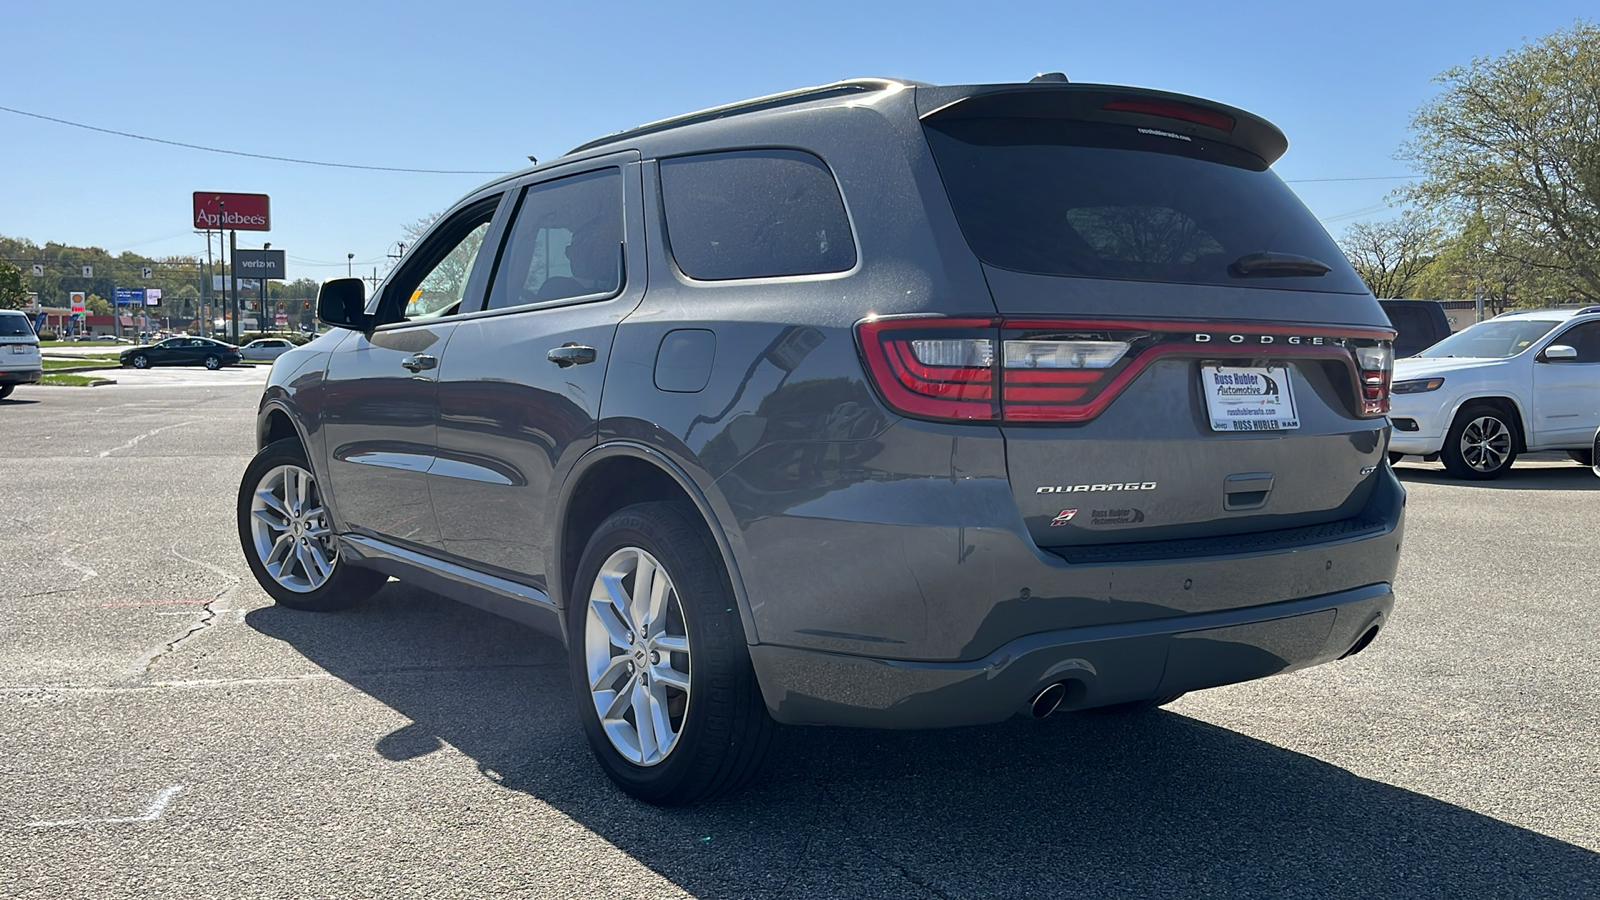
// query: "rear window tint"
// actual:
[[755, 214], [15, 326], [1058, 197]]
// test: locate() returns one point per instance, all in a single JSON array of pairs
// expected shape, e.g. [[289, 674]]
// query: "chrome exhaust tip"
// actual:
[[1045, 702]]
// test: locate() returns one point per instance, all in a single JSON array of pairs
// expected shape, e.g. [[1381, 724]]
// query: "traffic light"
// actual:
[[308, 305]]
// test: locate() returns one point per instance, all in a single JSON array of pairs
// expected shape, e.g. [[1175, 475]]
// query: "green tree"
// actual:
[[1392, 256], [13, 293], [96, 305], [1515, 142]]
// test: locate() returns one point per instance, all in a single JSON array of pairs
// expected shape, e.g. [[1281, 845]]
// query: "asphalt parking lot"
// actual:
[[164, 730]]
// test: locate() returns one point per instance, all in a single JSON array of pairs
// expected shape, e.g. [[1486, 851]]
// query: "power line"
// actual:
[[303, 162], [1361, 178]]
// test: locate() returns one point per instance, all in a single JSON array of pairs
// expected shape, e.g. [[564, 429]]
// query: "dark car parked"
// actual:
[[182, 351], [877, 404], [1418, 325]]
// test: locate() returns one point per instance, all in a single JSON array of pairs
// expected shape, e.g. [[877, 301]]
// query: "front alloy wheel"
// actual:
[[286, 536], [289, 529], [141, 361], [636, 650], [1480, 445]]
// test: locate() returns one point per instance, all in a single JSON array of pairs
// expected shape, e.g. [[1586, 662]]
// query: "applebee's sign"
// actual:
[[219, 211]]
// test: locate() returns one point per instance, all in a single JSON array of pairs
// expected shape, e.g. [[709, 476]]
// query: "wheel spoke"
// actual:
[[618, 598], [607, 678], [644, 714], [670, 643], [616, 630], [279, 553], [644, 579], [662, 722], [614, 703], [667, 675], [271, 518], [324, 567], [271, 501]]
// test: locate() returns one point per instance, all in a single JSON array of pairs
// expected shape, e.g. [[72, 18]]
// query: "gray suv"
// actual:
[[876, 404]]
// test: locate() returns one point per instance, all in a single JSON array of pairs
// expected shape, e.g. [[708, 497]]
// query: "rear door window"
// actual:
[[565, 243], [755, 214], [1100, 200]]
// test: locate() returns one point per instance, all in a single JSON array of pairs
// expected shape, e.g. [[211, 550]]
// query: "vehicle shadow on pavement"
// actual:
[[1571, 477], [1077, 805]]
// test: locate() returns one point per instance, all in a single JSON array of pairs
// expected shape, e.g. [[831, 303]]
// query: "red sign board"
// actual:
[[218, 211]]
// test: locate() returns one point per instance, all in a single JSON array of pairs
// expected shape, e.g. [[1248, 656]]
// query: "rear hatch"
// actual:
[[19, 346], [1180, 350]]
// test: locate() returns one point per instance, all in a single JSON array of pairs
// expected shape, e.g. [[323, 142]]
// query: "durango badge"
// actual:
[[1074, 488]]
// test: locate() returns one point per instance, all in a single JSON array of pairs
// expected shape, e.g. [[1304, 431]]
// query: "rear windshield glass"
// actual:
[[15, 326], [1057, 197], [1491, 340]]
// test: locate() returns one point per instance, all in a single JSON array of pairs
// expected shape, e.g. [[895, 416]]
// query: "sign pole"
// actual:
[[233, 283]]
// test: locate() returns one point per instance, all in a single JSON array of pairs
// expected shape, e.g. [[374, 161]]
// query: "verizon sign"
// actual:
[[217, 211]]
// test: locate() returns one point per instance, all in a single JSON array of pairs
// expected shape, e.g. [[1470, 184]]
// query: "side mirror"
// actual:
[[1556, 352], [342, 303]]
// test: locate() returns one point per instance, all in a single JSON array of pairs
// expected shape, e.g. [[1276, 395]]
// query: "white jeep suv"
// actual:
[[1522, 381]]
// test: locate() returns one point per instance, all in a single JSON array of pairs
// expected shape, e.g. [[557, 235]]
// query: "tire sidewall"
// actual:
[[699, 591]]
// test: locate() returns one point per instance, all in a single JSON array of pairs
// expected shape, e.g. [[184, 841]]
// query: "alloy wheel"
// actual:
[[289, 529], [636, 654], [1486, 444]]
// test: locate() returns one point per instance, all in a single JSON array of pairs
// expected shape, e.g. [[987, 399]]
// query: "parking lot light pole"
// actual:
[[349, 265]]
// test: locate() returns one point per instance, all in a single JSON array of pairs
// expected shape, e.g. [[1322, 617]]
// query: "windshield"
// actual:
[[1060, 197], [1491, 340]]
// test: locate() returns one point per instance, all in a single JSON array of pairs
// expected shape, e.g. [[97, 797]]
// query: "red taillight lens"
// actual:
[[1183, 112], [935, 368], [1375, 367], [1006, 370]]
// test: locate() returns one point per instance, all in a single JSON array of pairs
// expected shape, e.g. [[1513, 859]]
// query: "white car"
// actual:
[[1519, 382], [19, 352], [265, 348]]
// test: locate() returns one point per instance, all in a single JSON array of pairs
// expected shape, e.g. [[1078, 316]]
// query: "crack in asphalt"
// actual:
[[208, 611], [905, 872]]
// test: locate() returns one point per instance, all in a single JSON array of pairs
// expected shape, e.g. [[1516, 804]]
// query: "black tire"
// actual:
[[1582, 457], [725, 731], [213, 363], [1464, 456], [140, 361], [345, 586], [6, 389]]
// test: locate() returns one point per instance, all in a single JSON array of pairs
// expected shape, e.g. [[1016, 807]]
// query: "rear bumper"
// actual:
[[21, 376], [1101, 665]]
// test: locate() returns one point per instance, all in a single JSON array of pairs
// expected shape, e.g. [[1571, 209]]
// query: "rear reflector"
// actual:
[[1183, 112], [1070, 371]]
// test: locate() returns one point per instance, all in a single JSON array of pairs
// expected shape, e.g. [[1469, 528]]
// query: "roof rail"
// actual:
[[758, 104], [1586, 310]]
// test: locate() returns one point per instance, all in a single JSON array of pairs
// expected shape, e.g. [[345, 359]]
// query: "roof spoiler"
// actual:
[[1142, 107]]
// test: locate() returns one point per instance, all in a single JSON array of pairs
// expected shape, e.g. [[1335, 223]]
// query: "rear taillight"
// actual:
[[1375, 366], [1069, 371]]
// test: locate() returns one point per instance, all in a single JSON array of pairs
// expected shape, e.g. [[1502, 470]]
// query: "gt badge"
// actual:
[[1062, 519]]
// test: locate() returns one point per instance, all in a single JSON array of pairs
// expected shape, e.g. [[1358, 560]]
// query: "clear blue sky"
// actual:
[[469, 85]]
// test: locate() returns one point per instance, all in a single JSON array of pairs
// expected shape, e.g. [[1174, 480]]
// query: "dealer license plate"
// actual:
[[1249, 398], [20, 348]]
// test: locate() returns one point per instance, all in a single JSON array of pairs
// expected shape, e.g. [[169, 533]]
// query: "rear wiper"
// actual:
[[1253, 265]]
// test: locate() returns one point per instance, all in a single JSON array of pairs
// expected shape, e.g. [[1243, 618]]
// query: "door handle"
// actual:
[[420, 361], [570, 354]]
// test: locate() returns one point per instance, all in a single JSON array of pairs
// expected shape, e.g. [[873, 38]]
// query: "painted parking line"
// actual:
[[154, 811]]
